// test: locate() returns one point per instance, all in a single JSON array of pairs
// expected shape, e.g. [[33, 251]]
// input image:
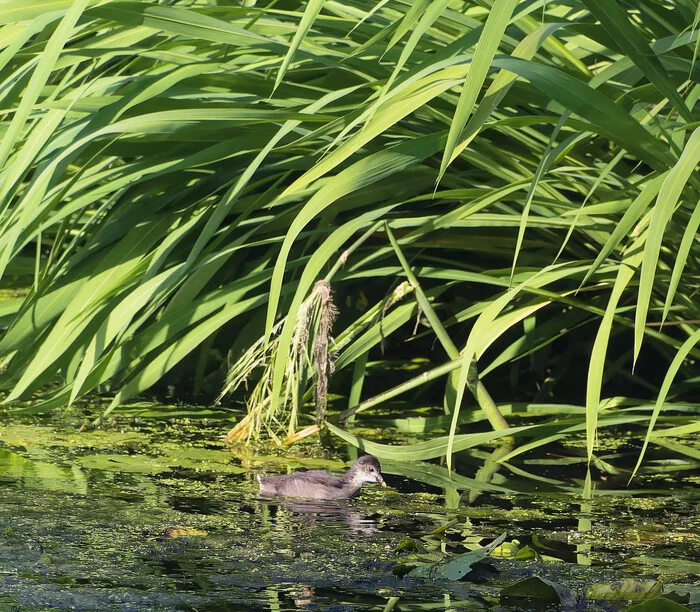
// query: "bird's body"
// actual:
[[319, 484]]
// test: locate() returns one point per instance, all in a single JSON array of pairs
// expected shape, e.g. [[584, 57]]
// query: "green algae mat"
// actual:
[[145, 514]]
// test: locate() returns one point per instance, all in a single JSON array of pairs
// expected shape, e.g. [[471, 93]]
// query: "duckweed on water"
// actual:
[[162, 515]]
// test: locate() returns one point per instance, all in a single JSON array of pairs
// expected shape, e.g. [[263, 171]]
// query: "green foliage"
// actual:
[[175, 178], [457, 568]]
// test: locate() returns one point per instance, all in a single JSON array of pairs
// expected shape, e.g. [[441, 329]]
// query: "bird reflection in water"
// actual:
[[320, 513]]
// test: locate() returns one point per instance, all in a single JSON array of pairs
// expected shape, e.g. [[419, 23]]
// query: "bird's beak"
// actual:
[[380, 480]]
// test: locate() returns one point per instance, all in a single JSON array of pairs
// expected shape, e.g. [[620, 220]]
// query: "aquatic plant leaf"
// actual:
[[527, 554], [509, 550], [539, 590], [457, 568], [659, 604], [438, 476], [12, 11], [681, 449], [429, 449], [502, 83], [406, 545], [631, 589]]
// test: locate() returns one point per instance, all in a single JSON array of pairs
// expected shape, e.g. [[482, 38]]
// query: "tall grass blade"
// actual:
[[676, 364], [499, 17], [614, 19], [667, 200], [311, 12], [40, 75]]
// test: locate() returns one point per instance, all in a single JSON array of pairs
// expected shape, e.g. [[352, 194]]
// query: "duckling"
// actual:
[[319, 484]]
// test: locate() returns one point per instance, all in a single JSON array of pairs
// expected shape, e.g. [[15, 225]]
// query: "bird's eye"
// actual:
[[371, 469]]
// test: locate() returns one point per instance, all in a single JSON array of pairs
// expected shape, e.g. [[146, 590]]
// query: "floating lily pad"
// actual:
[[659, 604], [537, 591]]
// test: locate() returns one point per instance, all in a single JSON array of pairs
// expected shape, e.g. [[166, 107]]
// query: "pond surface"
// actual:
[[161, 515]]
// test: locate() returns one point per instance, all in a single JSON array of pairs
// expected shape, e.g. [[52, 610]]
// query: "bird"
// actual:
[[319, 484]]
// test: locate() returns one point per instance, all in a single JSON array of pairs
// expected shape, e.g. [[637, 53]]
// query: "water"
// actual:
[[161, 516]]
